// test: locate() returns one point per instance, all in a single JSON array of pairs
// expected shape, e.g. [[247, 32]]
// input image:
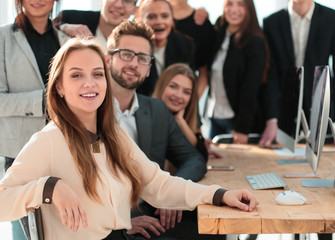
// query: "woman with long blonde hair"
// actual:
[[177, 87]]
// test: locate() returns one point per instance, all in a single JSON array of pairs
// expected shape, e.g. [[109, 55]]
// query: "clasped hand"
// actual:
[[167, 220]]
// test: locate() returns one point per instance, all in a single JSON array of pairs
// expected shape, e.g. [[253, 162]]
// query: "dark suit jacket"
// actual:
[[320, 45], [179, 49], [88, 18], [242, 75], [160, 138]]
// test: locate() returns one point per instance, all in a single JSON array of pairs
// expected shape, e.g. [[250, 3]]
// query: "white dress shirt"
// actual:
[[127, 119], [159, 54], [219, 106], [300, 30]]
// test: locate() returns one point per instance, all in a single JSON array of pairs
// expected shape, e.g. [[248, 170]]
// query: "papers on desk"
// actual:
[[286, 152]]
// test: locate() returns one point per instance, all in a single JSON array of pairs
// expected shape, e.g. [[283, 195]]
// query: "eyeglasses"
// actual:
[[128, 56], [126, 3]]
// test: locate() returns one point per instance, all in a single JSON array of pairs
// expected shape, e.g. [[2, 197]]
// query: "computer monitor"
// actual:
[[319, 116], [291, 112]]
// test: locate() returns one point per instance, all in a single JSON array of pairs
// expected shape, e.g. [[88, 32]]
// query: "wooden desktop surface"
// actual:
[[317, 215]]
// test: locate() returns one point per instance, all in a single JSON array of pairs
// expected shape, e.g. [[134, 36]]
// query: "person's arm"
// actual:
[[189, 162], [202, 80], [271, 94], [185, 128], [161, 190]]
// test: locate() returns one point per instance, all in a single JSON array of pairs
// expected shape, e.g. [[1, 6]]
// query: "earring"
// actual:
[[60, 95]]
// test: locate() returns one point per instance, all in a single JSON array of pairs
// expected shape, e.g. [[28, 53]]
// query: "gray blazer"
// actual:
[[21, 91], [160, 138]]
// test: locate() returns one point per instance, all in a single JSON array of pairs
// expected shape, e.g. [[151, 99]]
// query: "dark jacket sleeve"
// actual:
[[189, 162], [88, 18], [255, 58], [200, 146]]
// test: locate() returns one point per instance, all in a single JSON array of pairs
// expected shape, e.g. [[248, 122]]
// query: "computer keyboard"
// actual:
[[265, 181]]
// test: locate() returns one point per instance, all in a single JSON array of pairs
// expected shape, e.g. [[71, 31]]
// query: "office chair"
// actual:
[[32, 225]]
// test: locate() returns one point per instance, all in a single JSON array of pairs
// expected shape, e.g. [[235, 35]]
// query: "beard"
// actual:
[[117, 76]]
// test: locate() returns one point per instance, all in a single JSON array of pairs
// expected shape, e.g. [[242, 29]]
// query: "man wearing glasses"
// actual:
[[99, 24], [153, 128]]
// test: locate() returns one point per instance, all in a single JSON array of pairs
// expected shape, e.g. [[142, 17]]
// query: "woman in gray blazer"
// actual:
[[26, 48]]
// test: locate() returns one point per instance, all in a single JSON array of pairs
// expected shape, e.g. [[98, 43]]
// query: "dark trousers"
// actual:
[[118, 235], [187, 229]]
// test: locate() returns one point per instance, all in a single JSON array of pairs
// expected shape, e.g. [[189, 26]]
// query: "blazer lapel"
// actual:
[[143, 124], [26, 49], [287, 34]]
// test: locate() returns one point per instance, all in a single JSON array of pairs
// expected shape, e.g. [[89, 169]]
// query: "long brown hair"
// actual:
[[77, 136], [170, 72], [249, 28]]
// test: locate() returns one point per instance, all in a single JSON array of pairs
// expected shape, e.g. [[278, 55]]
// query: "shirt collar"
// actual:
[[94, 137], [294, 15], [133, 108], [31, 29]]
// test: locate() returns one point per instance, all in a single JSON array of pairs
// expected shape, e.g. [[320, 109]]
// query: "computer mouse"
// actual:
[[290, 198]]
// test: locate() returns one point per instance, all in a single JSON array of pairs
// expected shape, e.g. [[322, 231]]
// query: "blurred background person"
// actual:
[[299, 35], [239, 65], [97, 23], [203, 35], [177, 88], [170, 46]]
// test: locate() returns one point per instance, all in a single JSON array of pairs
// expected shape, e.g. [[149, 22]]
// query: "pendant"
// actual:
[[96, 147]]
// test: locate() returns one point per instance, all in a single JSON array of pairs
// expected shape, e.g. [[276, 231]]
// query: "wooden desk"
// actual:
[[317, 215]]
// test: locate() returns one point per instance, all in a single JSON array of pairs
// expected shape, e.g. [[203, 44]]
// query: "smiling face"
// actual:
[[131, 74], [83, 83], [114, 12], [235, 13], [37, 8], [177, 93], [158, 15]]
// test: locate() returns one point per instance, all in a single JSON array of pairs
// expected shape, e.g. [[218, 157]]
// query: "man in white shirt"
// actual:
[[301, 35], [153, 128], [97, 23]]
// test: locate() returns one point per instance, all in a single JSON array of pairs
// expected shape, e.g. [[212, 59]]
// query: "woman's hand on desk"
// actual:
[[242, 199]]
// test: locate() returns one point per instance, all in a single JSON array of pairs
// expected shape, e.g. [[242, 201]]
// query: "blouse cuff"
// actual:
[[218, 195], [48, 189]]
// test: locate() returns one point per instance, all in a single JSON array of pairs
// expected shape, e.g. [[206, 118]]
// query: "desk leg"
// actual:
[[302, 236], [232, 237]]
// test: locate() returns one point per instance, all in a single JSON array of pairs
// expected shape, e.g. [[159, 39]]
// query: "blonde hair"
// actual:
[[170, 72], [75, 133]]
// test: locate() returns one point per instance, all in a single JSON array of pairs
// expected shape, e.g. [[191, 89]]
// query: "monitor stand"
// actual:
[[321, 182], [305, 129], [332, 128]]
